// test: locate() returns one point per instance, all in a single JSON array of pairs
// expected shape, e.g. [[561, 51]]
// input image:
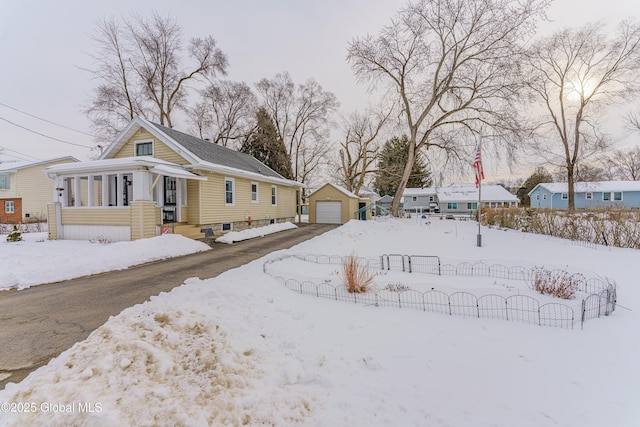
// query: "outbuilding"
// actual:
[[331, 204]]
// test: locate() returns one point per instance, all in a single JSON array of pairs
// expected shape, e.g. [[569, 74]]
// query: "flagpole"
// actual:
[[479, 176]]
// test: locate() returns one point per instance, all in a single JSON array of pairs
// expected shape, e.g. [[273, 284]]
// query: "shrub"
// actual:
[[15, 235], [356, 275], [558, 283]]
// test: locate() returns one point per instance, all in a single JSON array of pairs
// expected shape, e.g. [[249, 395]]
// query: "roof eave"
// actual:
[[227, 170]]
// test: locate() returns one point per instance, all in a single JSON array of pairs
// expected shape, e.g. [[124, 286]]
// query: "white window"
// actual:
[[606, 197], [544, 196], [5, 183], [452, 205], [229, 193], [472, 205], [144, 148], [588, 196], [9, 207], [414, 199], [564, 196], [254, 192], [274, 195], [617, 196], [537, 196]]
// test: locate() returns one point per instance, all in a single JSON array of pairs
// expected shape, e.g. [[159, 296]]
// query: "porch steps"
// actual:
[[186, 230]]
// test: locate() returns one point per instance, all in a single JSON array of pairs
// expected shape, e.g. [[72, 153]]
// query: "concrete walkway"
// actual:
[[41, 322]]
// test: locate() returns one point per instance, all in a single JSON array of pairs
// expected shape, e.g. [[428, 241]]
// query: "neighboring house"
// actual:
[[25, 190], [153, 179], [366, 193], [458, 198], [331, 204], [419, 199], [385, 202], [586, 195]]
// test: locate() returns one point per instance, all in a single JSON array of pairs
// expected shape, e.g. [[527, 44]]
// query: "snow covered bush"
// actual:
[[356, 275], [558, 283], [15, 235]]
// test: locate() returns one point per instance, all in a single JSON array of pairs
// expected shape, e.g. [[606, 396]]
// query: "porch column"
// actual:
[[77, 192], [105, 190], [141, 185], [90, 191], [120, 189], [178, 217]]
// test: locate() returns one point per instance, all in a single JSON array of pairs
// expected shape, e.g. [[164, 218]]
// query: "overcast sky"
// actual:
[[45, 44]]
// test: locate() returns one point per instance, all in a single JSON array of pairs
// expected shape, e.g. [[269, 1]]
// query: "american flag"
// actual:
[[477, 165]]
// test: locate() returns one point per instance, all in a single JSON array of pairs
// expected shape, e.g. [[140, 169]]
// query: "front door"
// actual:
[[170, 198]]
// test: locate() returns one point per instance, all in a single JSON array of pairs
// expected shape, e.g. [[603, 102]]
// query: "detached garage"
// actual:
[[331, 204]]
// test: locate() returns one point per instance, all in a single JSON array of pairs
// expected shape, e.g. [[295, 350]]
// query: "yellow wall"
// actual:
[[160, 149], [143, 219], [97, 216], [214, 210]]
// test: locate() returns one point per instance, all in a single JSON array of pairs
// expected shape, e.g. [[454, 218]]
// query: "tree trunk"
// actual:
[[571, 195], [411, 159]]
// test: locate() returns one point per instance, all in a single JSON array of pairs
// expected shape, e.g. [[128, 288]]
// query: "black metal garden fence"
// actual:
[[599, 296]]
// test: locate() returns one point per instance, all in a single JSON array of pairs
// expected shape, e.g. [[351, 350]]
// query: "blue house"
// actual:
[[457, 198], [587, 195]]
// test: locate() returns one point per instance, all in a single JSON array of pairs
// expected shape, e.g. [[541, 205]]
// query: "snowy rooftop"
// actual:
[[582, 187], [463, 193]]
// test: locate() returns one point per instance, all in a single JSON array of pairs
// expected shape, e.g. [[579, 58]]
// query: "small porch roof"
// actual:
[[126, 164]]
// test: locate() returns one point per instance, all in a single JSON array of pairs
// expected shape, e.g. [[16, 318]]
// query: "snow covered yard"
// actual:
[[36, 260], [241, 349]]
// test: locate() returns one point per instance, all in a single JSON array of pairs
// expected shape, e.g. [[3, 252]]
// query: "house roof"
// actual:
[[340, 189], [463, 193], [415, 192], [469, 193], [15, 165], [589, 187], [199, 153]]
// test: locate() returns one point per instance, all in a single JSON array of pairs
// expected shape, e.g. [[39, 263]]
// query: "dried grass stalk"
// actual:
[[556, 282], [356, 275]]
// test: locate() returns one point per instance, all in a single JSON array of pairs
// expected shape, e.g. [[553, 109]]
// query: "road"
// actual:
[[41, 322]]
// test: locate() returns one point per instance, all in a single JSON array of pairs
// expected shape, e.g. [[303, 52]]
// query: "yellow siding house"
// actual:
[[25, 190], [152, 179]]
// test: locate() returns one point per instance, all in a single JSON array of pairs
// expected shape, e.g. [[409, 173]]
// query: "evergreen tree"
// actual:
[[264, 144], [538, 176], [393, 158]]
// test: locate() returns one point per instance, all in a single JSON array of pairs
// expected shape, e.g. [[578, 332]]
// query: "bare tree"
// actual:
[[573, 74], [625, 164], [359, 149], [450, 65], [226, 113], [140, 68], [302, 115]]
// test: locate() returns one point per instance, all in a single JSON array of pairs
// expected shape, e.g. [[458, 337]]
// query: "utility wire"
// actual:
[[41, 134], [17, 152], [45, 120]]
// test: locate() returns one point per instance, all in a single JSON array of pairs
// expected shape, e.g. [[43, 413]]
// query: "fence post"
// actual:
[[409, 258], [584, 309]]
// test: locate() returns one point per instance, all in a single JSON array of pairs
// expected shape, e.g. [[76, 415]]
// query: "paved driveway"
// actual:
[[39, 323]]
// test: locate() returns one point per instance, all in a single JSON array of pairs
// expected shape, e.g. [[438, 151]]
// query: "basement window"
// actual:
[[226, 227]]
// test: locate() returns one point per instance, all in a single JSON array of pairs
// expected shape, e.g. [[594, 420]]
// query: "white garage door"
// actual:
[[329, 212]]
